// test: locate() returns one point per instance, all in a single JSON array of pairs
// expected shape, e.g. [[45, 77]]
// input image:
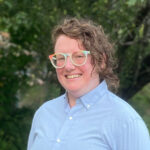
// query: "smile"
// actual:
[[72, 76]]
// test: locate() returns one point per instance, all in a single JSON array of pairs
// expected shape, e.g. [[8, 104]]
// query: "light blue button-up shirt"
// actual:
[[99, 121]]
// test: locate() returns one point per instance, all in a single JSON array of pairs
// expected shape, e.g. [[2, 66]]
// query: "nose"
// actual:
[[69, 65]]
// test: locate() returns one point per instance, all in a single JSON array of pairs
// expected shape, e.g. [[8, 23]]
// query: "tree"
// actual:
[[136, 50]]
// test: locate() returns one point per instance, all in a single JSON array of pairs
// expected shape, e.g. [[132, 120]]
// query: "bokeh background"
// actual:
[[27, 78]]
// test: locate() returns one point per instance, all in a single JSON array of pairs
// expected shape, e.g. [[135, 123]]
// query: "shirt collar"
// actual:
[[90, 98], [94, 95], [67, 107]]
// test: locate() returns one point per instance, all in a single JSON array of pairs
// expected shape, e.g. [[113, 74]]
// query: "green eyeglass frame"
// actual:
[[65, 55]]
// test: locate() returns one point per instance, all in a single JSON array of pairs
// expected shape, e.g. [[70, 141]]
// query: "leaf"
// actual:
[[141, 31], [131, 2]]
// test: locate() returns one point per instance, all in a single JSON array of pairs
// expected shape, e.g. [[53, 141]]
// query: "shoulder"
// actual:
[[124, 128], [50, 107], [56, 102], [120, 109], [53, 103]]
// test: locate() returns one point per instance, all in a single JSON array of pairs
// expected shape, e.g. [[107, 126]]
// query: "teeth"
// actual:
[[73, 76]]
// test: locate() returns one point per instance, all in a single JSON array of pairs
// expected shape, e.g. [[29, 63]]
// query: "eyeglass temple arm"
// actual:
[[50, 56], [86, 52]]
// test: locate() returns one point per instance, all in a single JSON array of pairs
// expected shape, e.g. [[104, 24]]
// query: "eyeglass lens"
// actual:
[[78, 58]]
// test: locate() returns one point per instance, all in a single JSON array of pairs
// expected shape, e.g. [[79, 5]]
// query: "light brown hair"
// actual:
[[94, 40]]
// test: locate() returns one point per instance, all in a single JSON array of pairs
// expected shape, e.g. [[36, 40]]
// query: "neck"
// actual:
[[71, 100], [74, 95]]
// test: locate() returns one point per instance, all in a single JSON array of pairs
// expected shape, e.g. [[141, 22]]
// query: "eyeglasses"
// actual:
[[78, 58]]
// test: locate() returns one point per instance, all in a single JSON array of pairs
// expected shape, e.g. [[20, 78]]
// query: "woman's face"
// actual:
[[77, 80]]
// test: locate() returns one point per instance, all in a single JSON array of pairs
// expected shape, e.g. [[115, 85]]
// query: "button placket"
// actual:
[[67, 126], [61, 137]]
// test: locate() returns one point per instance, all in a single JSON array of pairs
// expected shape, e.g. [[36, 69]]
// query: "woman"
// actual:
[[88, 116]]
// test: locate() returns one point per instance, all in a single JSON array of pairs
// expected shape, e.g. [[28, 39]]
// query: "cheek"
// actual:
[[87, 71], [88, 67], [90, 71]]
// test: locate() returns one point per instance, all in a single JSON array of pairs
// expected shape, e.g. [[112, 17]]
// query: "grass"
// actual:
[[141, 103]]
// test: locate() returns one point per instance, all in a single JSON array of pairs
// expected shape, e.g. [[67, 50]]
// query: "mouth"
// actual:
[[73, 76]]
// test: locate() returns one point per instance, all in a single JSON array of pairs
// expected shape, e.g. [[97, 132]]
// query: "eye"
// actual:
[[59, 57], [79, 55]]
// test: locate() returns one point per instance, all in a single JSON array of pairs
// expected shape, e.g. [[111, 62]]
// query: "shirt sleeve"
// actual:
[[32, 133], [128, 135]]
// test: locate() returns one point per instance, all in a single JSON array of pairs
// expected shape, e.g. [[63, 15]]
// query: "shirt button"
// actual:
[[88, 106], [58, 140], [70, 118]]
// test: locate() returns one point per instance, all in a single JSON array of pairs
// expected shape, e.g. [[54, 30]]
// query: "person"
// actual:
[[88, 116]]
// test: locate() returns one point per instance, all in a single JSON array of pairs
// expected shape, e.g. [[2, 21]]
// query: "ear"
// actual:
[[103, 65]]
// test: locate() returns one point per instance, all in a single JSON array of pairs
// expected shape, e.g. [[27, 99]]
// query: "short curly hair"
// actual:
[[94, 40]]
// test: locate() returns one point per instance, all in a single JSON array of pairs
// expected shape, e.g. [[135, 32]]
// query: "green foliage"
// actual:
[[14, 130], [31, 99], [12, 77], [141, 102], [26, 77], [133, 2]]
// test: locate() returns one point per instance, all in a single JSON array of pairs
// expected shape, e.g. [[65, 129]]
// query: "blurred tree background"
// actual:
[[27, 78]]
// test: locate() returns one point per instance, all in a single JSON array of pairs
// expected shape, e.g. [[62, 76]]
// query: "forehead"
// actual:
[[67, 44]]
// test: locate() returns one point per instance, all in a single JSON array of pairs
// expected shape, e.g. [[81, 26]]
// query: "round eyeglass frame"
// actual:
[[70, 55]]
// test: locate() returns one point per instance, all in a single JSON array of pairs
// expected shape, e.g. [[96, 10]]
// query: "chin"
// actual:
[[72, 89]]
